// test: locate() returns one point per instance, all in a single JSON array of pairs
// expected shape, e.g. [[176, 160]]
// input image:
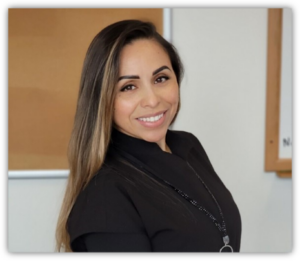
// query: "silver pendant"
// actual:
[[226, 242]]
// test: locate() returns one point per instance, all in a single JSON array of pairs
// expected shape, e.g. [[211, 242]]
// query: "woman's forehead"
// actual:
[[142, 54]]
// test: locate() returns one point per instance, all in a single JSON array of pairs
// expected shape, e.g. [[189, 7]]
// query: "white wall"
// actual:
[[33, 207], [223, 104], [223, 98]]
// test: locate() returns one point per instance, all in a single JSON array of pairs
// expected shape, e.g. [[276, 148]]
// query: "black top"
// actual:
[[125, 209]]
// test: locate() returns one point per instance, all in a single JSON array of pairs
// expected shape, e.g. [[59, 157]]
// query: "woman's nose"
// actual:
[[150, 98]]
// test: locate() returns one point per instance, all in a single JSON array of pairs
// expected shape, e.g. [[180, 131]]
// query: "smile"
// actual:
[[152, 119]]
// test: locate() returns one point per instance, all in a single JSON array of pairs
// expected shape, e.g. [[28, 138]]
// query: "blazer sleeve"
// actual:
[[113, 242], [104, 217]]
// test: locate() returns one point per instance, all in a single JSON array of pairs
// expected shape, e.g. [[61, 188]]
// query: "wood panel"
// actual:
[[46, 53]]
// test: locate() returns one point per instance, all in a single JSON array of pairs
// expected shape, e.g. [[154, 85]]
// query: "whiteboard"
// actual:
[[285, 131], [278, 142]]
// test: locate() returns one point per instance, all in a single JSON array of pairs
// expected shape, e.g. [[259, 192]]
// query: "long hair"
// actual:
[[93, 121]]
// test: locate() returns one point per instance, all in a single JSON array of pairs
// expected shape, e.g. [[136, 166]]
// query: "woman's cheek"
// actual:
[[123, 108], [173, 96]]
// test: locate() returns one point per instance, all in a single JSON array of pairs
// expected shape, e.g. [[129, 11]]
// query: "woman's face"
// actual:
[[147, 92]]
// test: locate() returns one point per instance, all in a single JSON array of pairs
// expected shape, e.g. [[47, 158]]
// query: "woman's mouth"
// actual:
[[152, 121]]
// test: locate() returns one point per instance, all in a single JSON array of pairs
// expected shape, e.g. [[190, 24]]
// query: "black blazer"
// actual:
[[124, 209]]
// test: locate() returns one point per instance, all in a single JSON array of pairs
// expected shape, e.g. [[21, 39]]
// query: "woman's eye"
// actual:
[[161, 79], [128, 88]]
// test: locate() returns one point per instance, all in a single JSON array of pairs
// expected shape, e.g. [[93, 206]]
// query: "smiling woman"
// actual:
[[135, 185], [148, 92]]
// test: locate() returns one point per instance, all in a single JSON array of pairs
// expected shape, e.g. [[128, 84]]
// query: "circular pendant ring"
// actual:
[[225, 247]]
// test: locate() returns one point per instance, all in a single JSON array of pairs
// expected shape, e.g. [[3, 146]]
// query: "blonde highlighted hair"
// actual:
[[93, 121]]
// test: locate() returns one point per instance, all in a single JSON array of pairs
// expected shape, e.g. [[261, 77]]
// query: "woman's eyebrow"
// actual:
[[137, 77], [160, 69], [128, 77]]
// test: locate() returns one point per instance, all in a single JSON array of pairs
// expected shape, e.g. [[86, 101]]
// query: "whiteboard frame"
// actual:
[[283, 167]]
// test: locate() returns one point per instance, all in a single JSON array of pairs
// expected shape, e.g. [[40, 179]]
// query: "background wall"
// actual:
[[223, 98], [223, 104]]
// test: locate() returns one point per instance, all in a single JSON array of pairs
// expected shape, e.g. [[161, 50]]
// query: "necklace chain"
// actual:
[[221, 228]]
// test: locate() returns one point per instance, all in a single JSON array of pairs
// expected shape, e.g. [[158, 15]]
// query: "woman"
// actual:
[[134, 185]]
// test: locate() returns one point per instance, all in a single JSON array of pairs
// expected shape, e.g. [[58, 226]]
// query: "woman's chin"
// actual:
[[154, 137]]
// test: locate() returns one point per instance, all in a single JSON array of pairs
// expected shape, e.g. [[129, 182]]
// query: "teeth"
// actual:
[[151, 119]]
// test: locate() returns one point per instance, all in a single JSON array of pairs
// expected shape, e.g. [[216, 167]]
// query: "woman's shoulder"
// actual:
[[191, 141], [107, 178], [101, 204], [188, 136]]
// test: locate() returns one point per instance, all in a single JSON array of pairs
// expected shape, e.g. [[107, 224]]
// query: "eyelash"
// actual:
[[125, 88]]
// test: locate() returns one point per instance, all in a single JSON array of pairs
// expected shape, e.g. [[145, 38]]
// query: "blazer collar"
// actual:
[[167, 166], [179, 144]]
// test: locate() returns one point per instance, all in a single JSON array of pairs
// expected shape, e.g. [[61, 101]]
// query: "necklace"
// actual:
[[221, 228]]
